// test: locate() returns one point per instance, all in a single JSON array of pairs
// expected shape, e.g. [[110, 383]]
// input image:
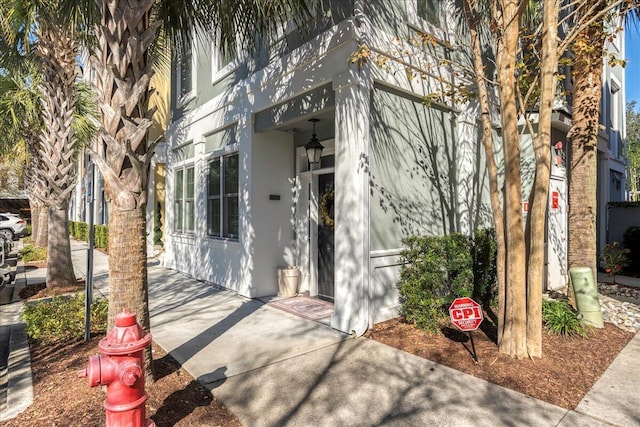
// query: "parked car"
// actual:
[[12, 225]]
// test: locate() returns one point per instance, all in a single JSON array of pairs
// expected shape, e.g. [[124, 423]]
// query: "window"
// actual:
[[221, 60], [184, 200], [222, 197], [429, 10], [615, 108], [185, 74]]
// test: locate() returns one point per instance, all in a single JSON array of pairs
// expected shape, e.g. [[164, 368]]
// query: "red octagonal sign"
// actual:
[[466, 314]]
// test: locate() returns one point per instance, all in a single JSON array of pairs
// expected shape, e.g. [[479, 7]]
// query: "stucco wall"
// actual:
[[413, 170], [272, 178]]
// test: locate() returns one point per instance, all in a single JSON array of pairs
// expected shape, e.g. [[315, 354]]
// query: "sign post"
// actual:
[[467, 315]]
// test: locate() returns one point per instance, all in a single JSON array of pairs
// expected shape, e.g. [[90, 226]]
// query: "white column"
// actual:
[[353, 91], [247, 230]]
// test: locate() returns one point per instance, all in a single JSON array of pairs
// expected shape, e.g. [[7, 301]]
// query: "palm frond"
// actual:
[[227, 22], [86, 113]]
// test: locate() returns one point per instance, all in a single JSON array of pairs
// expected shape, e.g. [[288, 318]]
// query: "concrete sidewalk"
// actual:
[[271, 368], [274, 369], [621, 280]]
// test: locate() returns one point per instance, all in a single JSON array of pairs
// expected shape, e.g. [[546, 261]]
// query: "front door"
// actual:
[[326, 227]]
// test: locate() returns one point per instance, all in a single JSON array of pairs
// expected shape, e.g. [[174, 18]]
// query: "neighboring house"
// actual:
[[611, 138], [244, 200]]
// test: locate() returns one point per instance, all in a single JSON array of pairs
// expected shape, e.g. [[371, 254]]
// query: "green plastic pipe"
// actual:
[[586, 293]]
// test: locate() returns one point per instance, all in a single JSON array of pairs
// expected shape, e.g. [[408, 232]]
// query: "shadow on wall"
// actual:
[[415, 172]]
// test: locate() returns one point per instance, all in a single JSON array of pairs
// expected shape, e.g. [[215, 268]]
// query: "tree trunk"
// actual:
[[57, 51], [122, 153], [492, 169], [34, 207], [59, 271], [128, 266], [540, 191], [587, 83], [514, 337], [41, 239]]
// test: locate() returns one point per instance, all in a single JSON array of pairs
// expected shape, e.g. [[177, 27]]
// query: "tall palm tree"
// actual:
[[588, 49], [21, 123], [123, 59], [45, 28], [592, 29]]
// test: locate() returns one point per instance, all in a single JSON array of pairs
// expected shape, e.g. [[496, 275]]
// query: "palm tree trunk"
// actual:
[[42, 237], [123, 155], [127, 259], [34, 208], [587, 83], [59, 271], [57, 51], [128, 265]]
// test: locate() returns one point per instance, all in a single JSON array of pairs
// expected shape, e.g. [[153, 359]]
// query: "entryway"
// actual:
[[315, 223]]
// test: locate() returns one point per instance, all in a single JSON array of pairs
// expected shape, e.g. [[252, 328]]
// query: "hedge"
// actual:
[[438, 269], [80, 231]]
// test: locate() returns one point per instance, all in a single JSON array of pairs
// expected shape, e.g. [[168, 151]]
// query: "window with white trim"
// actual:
[[185, 74], [223, 197], [429, 10], [222, 63], [184, 203]]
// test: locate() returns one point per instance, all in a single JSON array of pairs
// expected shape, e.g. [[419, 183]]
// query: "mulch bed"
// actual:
[[40, 290], [61, 398], [568, 369]]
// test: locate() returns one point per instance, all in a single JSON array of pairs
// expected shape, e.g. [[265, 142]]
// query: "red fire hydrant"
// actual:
[[121, 369]]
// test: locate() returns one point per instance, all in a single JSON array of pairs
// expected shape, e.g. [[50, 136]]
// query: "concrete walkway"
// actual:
[[271, 368], [621, 280]]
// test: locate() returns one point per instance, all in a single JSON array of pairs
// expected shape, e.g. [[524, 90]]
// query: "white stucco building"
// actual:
[[242, 199]]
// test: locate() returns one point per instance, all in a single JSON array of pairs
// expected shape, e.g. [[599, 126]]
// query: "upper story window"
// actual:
[[429, 10], [221, 59], [615, 107], [185, 86], [221, 63]]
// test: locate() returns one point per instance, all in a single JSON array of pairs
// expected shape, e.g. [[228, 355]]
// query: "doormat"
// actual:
[[303, 306]]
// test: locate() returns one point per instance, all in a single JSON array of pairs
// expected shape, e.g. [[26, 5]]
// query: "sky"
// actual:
[[632, 69]]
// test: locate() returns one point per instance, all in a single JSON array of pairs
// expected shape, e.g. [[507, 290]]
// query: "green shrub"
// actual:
[[435, 271], [30, 253], [80, 231], [101, 236], [614, 257], [561, 319], [62, 318], [484, 252], [83, 231], [631, 241]]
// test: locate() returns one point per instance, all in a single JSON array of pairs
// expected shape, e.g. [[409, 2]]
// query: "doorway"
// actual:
[[326, 237]]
